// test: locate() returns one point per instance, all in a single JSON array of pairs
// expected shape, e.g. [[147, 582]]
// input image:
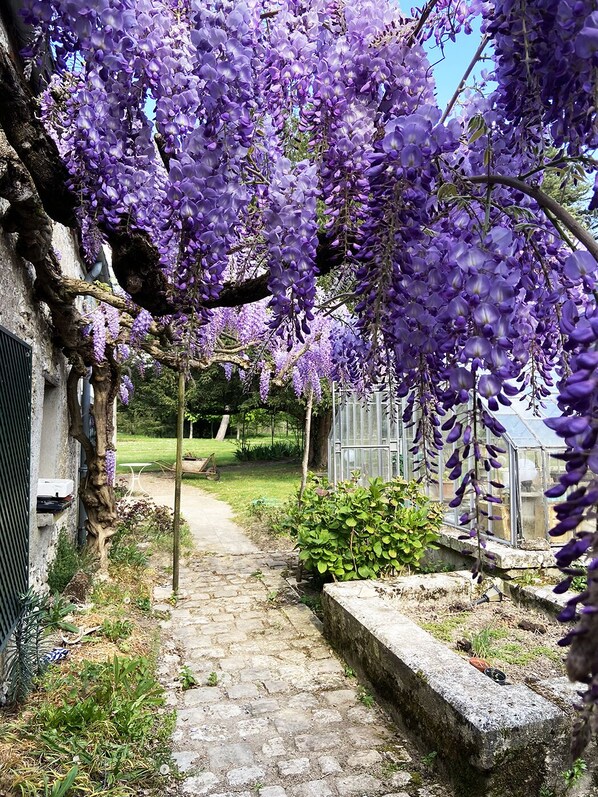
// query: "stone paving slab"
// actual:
[[282, 719]]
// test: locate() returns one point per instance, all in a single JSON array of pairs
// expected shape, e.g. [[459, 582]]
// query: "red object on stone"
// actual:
[[479, 664]]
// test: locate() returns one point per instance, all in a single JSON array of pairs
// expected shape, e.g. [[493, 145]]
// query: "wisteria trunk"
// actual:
[[97, 489]]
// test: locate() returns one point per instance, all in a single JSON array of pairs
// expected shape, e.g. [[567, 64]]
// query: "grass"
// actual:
[[490, 642], [483, 643], [443, 630], [515, 653], [241, 484], [138, 448], [99, 718]]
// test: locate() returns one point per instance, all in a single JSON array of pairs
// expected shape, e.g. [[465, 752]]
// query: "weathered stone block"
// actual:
[[293, 766], [358, 784], [243, 776], [492, 739]]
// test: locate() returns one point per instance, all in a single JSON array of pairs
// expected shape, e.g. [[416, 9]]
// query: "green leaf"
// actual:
[[478, 134], [60, 789], [322, 567], [446, 191]]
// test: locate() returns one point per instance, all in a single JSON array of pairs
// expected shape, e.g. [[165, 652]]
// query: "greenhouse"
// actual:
[[369, 437]]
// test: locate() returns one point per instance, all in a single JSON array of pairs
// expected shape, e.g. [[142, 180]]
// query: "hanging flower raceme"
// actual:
[[291, 237], [547, 69], [110, 467], [126, 389]]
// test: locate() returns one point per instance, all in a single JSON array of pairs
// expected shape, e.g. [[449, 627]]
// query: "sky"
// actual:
[[458, 54]]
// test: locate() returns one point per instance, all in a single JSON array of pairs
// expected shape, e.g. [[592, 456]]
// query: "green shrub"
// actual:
[[267, 452], [579, 583], [352, 531], [64, 565]]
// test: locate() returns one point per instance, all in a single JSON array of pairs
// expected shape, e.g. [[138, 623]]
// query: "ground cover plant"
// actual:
[[351, 531], [106, 717], [96, 723]]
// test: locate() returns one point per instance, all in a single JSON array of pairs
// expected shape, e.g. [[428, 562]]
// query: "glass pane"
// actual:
[[534, 521], [517, 430], [500, 526], [545, 435], [554, 469]]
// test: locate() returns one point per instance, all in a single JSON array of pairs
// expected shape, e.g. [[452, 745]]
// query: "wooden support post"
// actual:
[[178, 477]]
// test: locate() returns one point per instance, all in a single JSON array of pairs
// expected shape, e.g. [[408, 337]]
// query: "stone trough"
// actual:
[[492, 740]]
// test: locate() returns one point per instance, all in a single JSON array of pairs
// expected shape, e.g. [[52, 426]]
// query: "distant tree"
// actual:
[[569, 186]]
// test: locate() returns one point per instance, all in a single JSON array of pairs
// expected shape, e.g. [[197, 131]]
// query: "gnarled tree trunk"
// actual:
[[97, 491]]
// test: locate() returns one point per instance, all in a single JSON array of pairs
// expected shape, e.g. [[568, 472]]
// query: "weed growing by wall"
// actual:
[[65, 563]]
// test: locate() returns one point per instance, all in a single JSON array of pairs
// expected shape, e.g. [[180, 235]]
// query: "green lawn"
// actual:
[[241, 484], [137, 448]]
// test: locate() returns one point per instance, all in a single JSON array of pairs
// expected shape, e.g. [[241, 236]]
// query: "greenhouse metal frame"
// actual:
[[369, 438]]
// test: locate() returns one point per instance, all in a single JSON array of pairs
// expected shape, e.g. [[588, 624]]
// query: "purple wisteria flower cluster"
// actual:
[[546, 61]]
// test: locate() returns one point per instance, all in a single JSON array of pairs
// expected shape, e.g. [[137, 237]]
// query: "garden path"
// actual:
[[283, 718]]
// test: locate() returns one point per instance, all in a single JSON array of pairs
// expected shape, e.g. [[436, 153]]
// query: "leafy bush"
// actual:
[[142, 523], [579, 583], [352, 531], [267, 452], [65, 563]]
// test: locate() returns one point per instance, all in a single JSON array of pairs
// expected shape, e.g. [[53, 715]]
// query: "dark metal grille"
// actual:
[[15, 455]]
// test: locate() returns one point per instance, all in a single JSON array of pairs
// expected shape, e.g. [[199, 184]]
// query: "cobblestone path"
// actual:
[[282, 718]]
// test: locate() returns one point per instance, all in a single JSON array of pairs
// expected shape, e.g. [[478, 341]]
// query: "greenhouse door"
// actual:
[[15, 455], [364, 438]]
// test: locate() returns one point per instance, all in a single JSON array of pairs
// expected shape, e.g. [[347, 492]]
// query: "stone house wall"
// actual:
[[53, 453]]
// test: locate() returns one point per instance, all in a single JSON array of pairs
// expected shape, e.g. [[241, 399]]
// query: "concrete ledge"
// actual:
[[492, 740], [502, 557], [540, 597]]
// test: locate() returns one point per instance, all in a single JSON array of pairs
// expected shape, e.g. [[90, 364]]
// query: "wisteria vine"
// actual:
[[238, 133]]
